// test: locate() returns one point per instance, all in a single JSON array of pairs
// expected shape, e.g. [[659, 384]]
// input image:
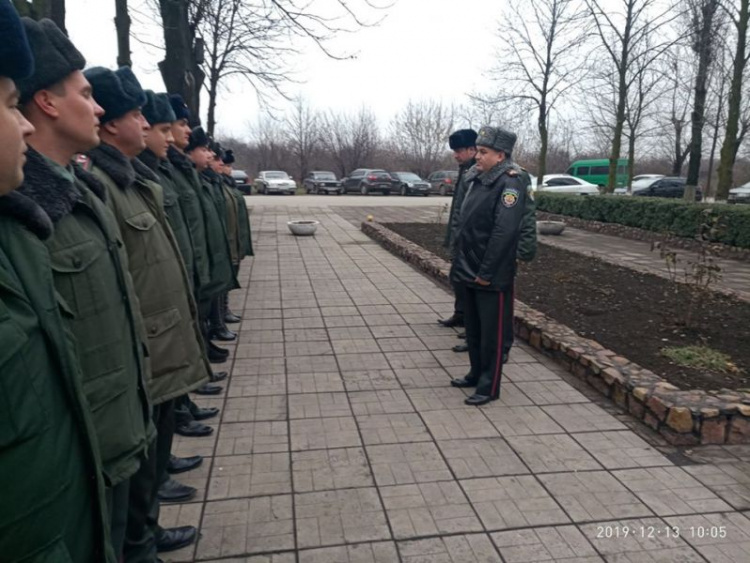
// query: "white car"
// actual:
[[640, 182], [564, 184], [740, 194], [274, 181]]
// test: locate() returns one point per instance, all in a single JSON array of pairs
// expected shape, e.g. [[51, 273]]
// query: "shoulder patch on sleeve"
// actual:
[[509, 197]]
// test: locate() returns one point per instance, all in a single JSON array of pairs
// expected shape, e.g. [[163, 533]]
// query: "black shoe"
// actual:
[[218, 350], [174, 491], [461, 335], [463, 382], [200, 413], [222, 334], [194, 429], [171, 539], [217, 355], [232, 319], [460, 348], [219, 376], [208, 389], [181, 464], [452, 321], [478, 400]]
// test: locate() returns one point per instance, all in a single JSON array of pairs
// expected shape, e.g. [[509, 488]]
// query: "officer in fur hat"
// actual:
[[485, 256], [53, 490]]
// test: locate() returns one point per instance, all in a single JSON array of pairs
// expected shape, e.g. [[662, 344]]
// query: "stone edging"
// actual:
[[634, 233], [682, 417]]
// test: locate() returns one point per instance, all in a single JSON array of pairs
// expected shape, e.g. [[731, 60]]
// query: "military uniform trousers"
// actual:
[[118, 503], [459, 291], [508, 328], [486, 319]]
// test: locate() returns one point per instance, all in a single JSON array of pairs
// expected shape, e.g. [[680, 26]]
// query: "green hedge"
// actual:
[[671, 216]]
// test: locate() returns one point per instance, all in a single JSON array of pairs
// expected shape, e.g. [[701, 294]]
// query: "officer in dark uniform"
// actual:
[[485, 256]]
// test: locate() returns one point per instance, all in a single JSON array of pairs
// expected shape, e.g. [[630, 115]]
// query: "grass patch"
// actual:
[[700, 357]]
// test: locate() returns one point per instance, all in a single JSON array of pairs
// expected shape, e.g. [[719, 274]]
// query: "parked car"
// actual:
[[740, 194], [274, 181], [640, 182], [408, 183], [564, 184], [367, 180], [321, 182], [243, 181], [671, 187], [443, 182]]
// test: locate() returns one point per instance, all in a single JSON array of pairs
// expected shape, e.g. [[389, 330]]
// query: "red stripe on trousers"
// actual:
[[499, 364]]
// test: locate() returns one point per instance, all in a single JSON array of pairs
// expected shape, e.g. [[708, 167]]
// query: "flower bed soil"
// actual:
[[633, 314]]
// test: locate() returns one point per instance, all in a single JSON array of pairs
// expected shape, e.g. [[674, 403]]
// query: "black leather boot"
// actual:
[[229, 317], [217, 329]]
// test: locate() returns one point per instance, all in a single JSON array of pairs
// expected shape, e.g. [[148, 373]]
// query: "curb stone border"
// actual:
[[684, 418]]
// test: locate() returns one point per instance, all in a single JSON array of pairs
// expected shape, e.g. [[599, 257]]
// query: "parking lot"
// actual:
[[345, 201]]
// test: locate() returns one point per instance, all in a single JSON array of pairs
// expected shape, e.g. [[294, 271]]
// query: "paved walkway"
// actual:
[[340, 439], [735, 275]]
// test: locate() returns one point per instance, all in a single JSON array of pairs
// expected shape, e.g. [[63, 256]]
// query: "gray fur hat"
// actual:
[[118, 92], [157, 108], [497, 139], [55, 57]]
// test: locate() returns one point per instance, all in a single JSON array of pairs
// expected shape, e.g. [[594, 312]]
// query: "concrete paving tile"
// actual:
[[252, 437], [255, 409], [320, 470], [310, 348], [423, 377], [468, 422], [340, 311], [731, 481], [386, 401], [545, 453], [260, 350], [317, 405], [512, 502], [465, 548], [260, 336], [264, 325], [183, 446], [311, 364], [247, 526], [402, 464], [303, 323], [318, 382], [554, 544], [370, 380], [436, 398], [413, 319], [670, 491], [250, 476], [355, 346], [379, 552], [263, 366], [197, 478], [593, 495], [440, 343], [583, 417], [392, 428], [449, 358], [401, 344], [637, 541], [343, 322], [481, 457], [324, 433], [305, 335], [339, 516], [720, 538], [428, 509], [256, 385], [299, 312], [350, 333], [364, 361], [620, 450], [383, 320], [173, 515], [550, 392], [517, 372], [287, 557]]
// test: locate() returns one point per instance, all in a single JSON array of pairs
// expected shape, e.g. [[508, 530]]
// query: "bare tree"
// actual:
[[38, 9], [733, 135], [420, 133], [122, 25], [302, 134], [622, 30], [351, 141], [268, 138]]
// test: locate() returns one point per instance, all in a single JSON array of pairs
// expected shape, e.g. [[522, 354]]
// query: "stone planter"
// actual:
[[550, 227], [303, 228]]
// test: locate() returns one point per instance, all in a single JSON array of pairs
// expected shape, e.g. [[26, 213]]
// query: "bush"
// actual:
[[676, 217]]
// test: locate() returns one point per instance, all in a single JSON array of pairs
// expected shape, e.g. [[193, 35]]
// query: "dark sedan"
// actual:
[[408, 183], [320, 182], [671, 187], [443, 181], [367, 180]]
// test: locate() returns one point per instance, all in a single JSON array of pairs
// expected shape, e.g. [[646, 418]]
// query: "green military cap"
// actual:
[[497, 139]]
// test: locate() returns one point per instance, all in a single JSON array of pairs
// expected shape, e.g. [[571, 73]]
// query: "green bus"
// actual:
[[597, 171]]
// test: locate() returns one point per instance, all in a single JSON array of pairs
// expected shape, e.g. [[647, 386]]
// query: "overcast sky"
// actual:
[[436, 49]]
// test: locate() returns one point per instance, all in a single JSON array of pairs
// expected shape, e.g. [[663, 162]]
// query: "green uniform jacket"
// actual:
[[245, 234], [91, 275], [459, 193], [178, 364], [173, 211], [187, 184], [51, 482], [233, 223], [222, 275]]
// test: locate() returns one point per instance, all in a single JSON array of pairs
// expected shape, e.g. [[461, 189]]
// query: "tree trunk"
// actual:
[[180, 68], [57, 14], [631, 160], [122, 25], [213, 89], [710, 189], [677, 162], [544, 139], [730, 145]]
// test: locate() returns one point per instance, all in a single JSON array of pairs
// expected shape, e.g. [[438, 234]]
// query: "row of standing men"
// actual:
[[121, 234]]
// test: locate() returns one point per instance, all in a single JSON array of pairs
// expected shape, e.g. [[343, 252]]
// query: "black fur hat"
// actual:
[[157, 108], [179, 107], [462, 139], [198, 138], [118, 92], [228, 157], [16, 58], [216, 148], [55, 57]]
